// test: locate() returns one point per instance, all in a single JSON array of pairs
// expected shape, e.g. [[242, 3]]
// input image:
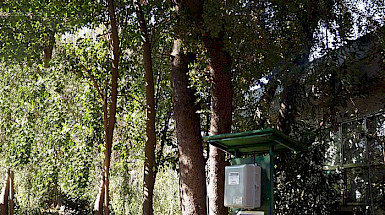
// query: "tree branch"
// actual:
[[96, 85], [159, 154]]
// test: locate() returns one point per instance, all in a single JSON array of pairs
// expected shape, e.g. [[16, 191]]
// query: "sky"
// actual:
[[362, 12]]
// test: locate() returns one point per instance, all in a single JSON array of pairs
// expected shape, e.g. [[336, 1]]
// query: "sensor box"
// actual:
[[243, 186]]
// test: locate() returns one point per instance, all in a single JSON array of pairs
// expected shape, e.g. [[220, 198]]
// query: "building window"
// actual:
[[361, 159]]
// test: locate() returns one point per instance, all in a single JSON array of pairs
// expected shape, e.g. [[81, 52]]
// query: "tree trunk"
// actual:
[[98, 208], [149, 149], [110, 114], [222, 94], [163, 139], [265, 103], [192, 185], [11, 193], [287, 106], [4, 196], [48, 49]]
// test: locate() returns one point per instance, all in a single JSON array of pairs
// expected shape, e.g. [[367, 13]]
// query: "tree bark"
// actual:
[[163, 139], [98, 208], [4, 196], [265, 103], [110, 114], [222, 94], [11, 193], [192, 186], [149, 148], [220, 69], [287, 106], [48, 49]]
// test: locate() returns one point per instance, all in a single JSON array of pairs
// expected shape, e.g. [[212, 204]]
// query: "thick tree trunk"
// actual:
[[149, 149], [222, 94], [190, 150]]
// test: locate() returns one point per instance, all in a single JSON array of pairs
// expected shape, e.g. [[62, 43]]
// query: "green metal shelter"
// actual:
[[257, 147]]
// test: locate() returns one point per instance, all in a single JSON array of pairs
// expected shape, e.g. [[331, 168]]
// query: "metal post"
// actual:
[[271, 153]]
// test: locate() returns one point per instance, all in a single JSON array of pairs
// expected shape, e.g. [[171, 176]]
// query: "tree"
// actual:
[[29, 27], [192, 186], [206, 17], [51, 89], [299, 33], [109, 113], [149, 148], [221, 109]]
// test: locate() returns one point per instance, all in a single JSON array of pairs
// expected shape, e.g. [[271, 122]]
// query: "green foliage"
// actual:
[[26, 26], [45, 139], [303, 186], [51, 124], [52, 130], [166, 193]]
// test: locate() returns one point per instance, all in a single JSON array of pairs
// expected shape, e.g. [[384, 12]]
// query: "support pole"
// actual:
[[272, 163]]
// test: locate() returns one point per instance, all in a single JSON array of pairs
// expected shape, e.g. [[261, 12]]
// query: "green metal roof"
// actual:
[[253, 142]]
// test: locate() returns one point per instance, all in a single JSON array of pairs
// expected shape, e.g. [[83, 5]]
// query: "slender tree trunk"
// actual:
[[98, 208], [289, 94], [159, 154], [286, 115], [192, 186], [265, 103], [149, 149], [222, 94], [287, 106], [11, 193], [48, 49], [110, 113], [4, 196]]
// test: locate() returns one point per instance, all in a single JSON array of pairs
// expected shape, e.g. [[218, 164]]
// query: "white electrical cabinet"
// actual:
[[243, 186]]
